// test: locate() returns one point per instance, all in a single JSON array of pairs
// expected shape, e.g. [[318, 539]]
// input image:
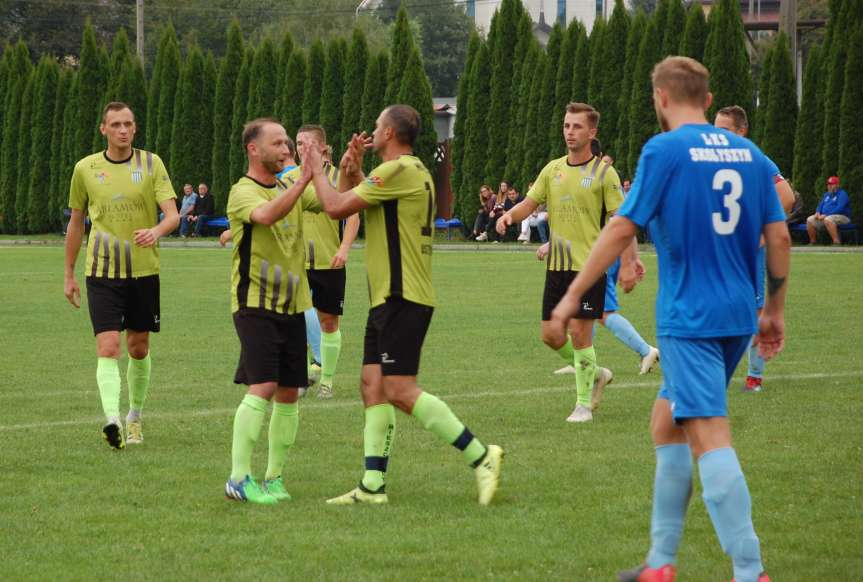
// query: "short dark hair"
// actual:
[[115, 106], [592, 114], [736, 113], [314, 128], [253, 128], [596, 147], [405, 121]]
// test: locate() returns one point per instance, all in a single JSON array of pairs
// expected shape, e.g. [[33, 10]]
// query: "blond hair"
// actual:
[[685, 79]]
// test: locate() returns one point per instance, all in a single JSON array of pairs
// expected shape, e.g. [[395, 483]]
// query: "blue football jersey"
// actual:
[[705, 194]]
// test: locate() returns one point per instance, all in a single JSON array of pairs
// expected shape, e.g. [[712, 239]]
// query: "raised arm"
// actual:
[[336, 205], [271, 212]]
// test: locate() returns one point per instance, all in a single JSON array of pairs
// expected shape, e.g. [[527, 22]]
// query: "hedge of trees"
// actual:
[[191, 109], [512, 93]]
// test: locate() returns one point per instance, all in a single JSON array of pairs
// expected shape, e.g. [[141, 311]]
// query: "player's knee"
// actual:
[[329, 322], [108, 350]]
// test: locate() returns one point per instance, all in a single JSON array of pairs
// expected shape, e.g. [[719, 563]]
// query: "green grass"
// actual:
[[575, 501]]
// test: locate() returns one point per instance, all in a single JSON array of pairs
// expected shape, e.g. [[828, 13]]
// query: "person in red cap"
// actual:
[[833, 211]]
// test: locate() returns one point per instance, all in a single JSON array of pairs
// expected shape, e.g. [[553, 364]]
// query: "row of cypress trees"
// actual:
[[513, 92], [192, 108]]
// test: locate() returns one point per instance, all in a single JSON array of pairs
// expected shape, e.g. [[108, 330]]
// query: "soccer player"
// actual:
[[120, 189], [398, 198], [327, 243], [269, 294], [708, 196], [733, 118], [621, 327], [581, 191]]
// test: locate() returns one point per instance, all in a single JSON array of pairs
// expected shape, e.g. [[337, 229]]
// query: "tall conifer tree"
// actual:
[[851, 126], [314, 82], [416, 92], [695, 33], [807, 142], [563, 86], [759, 120], [373, 100], [20, 70], [25, 144], [229, 70], [237, 154], [57, 189], [642, 115], [354, 84], [462, 114], [332, 93], [38, 207], [675, 24], [291, 113], [597, 71], [473, 164], [614, 69], [262, 83], [401, 46], [620, 145], [781, 119], [728, 61], [171, 67]]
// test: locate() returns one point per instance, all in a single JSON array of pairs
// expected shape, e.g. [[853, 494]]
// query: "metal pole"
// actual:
[[139, 29]]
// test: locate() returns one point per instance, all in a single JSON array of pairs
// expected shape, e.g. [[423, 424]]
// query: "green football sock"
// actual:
[[378, 436], [331, 347], [138, 378], [284, 423], [585, 372], [437, 417], [247, 427], [566, 352], [108, 380]]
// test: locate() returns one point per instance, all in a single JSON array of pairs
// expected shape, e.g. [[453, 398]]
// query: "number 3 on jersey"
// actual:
[[720, 179]]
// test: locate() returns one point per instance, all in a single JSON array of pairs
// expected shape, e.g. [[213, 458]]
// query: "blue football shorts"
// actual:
[[696, 372], [611, 287]]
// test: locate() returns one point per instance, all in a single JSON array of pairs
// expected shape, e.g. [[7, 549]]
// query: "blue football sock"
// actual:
[[672, 488], [623, 330], [313, 332], [756, 362], [727, 499]]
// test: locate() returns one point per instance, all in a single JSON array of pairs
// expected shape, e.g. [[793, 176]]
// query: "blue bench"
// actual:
[[218, 222], [844, 229], [447, 225]]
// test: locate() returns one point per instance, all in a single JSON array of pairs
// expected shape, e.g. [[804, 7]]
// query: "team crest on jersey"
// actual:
[[102, 176], [586, 181], [375, 181], [137, 176]]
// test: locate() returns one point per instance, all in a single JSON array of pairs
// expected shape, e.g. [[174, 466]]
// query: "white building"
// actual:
[[545, 11]]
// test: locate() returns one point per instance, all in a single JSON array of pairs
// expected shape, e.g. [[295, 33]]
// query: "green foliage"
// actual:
[[20, 70], [851, 126], [130, 87], [4, 85], [155, 89], [462, 115], [807, 142], [314, 83], [535, 131], [190, 158], [354, 84], [581, 69], [57, 188], [781, 120], [237, 154], [25, 145], [642, 116], [291, 113], [416, 92], [171, 66], [120, 55], [209, 105], [69, 153], [563, 85], [229, 69], [613, 64], [262, 84], [759, 120], [91, 90], [104, 83], [37, 188], [695, 33], [620, 145], [675, 24], [401, 47], [445, 30], [373, 99], [835, 77], [473, 163], [285, 51], [728, 61], [518, 128], [597, 70], [331, 94], [502, 57]]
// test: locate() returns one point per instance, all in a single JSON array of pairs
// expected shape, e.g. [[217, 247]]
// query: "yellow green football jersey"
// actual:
[[268, 270], [399, 230], [578, 198], [120, 198], [322, 235]]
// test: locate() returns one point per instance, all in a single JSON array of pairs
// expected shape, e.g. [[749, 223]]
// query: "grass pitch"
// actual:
[[575, 500]]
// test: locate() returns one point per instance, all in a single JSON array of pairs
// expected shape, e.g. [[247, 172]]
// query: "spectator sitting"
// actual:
[[187, 208], [204, 209], [497, 204], [486, 203], [538, 219], [833, 210], [512, 198], [626, 186]]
